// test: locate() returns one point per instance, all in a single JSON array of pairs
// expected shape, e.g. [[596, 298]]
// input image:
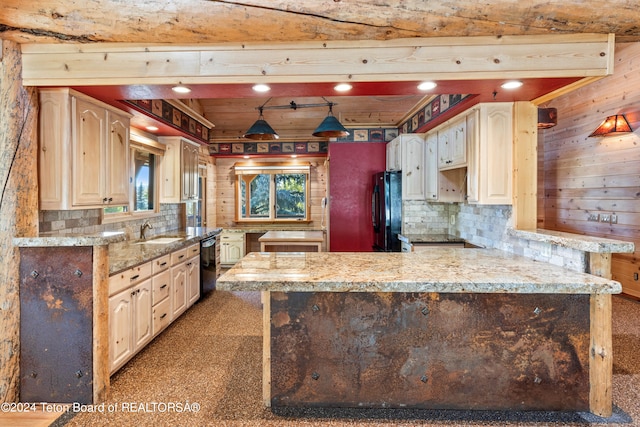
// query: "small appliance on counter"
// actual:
[[386, 211]]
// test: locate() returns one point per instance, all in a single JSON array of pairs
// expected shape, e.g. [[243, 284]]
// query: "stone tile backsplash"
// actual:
[[88, 221], [485, 226]]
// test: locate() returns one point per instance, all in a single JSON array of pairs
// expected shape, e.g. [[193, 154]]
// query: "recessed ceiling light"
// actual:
[[427, 85], [152, 128], [513, 84], [261, 88], [181, 89], [342, 87], [293, 156]]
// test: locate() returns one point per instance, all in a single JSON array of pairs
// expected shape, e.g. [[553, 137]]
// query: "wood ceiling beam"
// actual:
[[446, 58]]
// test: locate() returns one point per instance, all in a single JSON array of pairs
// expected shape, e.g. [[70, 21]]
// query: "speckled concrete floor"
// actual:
[[212, 357]]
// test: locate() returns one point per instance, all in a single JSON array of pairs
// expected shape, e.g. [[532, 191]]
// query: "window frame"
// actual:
[[272, 169], [140, 143]]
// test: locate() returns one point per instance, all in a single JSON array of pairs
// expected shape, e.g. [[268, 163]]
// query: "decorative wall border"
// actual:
[[431, 111], [171, 115]]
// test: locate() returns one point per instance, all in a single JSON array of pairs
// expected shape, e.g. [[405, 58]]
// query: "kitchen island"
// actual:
[[443, 329]]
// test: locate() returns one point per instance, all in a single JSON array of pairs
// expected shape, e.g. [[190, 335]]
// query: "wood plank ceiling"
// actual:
[[191, 21]]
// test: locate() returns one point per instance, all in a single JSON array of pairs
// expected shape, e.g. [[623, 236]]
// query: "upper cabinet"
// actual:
[[406, 153], [452, 144], [413, 168], [490, 175], [179, 170], [394, 155], [83, 152]]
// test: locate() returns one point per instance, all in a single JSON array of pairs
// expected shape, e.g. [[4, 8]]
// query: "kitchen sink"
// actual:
[[160, 241]]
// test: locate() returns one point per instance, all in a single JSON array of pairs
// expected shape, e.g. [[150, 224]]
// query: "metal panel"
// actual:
[[56, 327], [428, 350]]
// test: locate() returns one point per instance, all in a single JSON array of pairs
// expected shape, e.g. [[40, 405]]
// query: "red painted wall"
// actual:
[[350, 169]]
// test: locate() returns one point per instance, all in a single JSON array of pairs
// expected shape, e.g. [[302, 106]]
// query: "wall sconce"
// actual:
[[547, 118], [613, 125], [329, 128], [261, 130]]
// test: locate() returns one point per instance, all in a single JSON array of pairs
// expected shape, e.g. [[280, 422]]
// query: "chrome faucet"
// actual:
[[143, 228]]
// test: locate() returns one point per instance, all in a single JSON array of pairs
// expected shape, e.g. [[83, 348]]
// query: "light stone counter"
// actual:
[[575, 241], [445, 270], [97, 239]]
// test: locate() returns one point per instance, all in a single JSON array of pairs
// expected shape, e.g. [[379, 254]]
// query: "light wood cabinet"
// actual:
[[179, 170], [452, 145], [83, 152], [179, 284], [232, 247], [431, 166], [413, 167], [394, 155], [145, 299], [490, 174], [193, 280], [130, 327]]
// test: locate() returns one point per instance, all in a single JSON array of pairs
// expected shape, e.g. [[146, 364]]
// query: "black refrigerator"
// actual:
[[386, 211]]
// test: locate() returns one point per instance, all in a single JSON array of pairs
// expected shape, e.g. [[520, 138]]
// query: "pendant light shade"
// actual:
[[261, 130], [613, 125], [330, 127]]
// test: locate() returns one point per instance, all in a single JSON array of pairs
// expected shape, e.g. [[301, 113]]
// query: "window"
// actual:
[[143, 199], [277, 192], [144, 172]]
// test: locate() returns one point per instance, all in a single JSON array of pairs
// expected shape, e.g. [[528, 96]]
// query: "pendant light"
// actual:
[[331, 127], [261, 130]]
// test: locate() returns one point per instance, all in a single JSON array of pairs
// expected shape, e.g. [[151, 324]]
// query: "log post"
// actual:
[[18, 203]]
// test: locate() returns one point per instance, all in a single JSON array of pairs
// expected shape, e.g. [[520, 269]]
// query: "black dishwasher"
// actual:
[[208, 266]]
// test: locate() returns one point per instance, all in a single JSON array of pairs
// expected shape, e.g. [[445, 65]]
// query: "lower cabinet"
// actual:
[[130, 326], [145, 299]]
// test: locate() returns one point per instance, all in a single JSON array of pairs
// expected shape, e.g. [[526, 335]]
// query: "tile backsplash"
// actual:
[[485, 226], [88, 221]]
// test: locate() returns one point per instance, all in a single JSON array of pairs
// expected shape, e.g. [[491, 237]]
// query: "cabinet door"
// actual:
[[142, 328], [473, 133], [235, 251], [88, 142], [179, 285], [170, 173], [458, 144], [431, 167], [394, 155], [444, 156], [496, 151], [189, 171], [193, 280], [413, 179], [117, 160], [120, 337]]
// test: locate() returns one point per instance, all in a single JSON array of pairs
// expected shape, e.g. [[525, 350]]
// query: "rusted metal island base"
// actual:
[[432, 351], [444, 329]]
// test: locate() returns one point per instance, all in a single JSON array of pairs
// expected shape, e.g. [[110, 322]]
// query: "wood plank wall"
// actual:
[[583, 175], [225, 195]]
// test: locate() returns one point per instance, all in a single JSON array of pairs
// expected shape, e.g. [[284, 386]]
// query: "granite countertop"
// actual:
[[430, 238], [575, 241], [127, 254], [437, 270], [98, 239]]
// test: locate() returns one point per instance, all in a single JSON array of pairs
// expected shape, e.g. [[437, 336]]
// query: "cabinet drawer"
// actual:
[[193, 250], [162, 263], [178, 256], [129, 277], [161, 315], [161, 286]]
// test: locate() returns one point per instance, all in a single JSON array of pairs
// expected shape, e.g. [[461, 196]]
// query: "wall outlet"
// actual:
[[614, 219], [452, 219], [593, 217]]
